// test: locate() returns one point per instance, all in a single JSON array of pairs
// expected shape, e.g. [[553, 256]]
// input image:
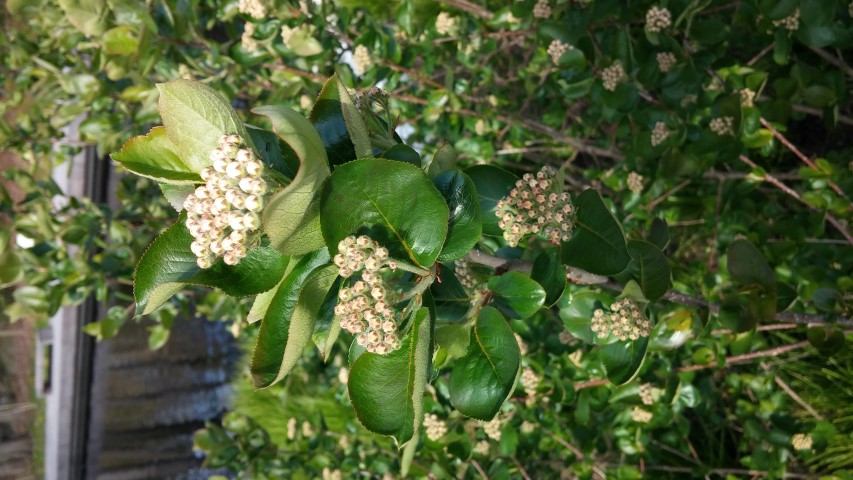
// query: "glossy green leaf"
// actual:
[[484, 378], [453, 339], [328, 325], [168, 265], [649, 267], [403, 153], [464, 227], [289, 322], [576, 312], [659, 233], [598, 244], [452, 302], [622, 360], [747, 265], [196, 117], [154, 156], [387, 390], [269, 146], [550, 274], [516, 295], [292, 217], [396, 197], [492, 184], [176, 194], [443, 160], [339, 124]]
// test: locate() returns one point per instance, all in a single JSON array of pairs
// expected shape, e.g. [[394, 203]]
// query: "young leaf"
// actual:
[[284, 332], [551, 274], [747, 265], [339, 124], [387, 391], [153, 156], [492, 184], [398, 197], [622, 360], [465, 227], [515, 295], [598, 244], [576, 311], [484, 378], [292, 218], [649, 267], [443, 160], [195, 117], [168, 265]]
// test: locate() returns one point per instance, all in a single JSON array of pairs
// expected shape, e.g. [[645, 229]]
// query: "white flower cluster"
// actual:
[[364, 308], [576, 357], [464, 274], [557, 49], [247, 40], [801, 441], [493, 428], [624, 320], [723, 125], [612, 76], [641, 416], [222, 214], [565, 337], [659, 134], [445, 24], [666, 60], [307, 429], [747, 97], [688, 99], [534, 207], [529, 380], [480, 127], [658, 19], [291, 428], [343, 375], [253, 8], [646, 394], [329, 474], [482, 448], [361, 60], [791, 22], [286, 34], [522, 346], [635, 182], [542, 9], [527, 427], [435, 427]]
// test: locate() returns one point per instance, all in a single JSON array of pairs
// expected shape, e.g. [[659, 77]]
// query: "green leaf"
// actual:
[[622, 360], [443, 160], [10, 267], [649, 267], [292, 217], [88, 16], [659, 233], [484, 378], [154, 156], [196, 117], [328, 325], [387, 390], [492, 184], [168, 265], [339, 124], [397, 197], [289, 323], [269, 147], [598, 244], [176, 194], [747, 265], [403, 153], [464, 227], [452, 302], [515, 295], [453, 339], [551, 274], [303, 43], [827, 340], [120, 40], [576, 312]]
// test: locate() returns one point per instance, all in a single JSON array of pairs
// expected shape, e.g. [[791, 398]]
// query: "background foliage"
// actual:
[[752, 213]]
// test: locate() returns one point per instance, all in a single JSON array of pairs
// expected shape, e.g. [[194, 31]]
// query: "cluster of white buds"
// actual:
[[635, 182], [222, 214], [493, 428], [576, 358], [435, 427], [723, 125], [247, 40], [361, 60], [480, 127], [527, 427], [482, 448], [747, 97], [465, 275], [612, 76], [365, 308], [529, 380], [791, 22], [254, 8], [658, 19], [624, 320], [291, 428], [287, 34], [522, 345], [307, 429], [666, 60], [565, 337], [646, 395], [535, 207], [659, 134], [329, 474], [343, 375], [640, 415], [801, 441], [445, 24], [689, 99], [557, 49], [344, 442], [542, 9]]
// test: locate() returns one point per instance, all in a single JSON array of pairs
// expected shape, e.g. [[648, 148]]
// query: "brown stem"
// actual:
[[747, 357], [479, 469], [469, 7]]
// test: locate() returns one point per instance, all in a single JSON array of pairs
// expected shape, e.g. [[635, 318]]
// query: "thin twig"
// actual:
[[791, 393], [747, 357], [479, 469], [469, 7], [760, 328], [521, 469], [833, 60]]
